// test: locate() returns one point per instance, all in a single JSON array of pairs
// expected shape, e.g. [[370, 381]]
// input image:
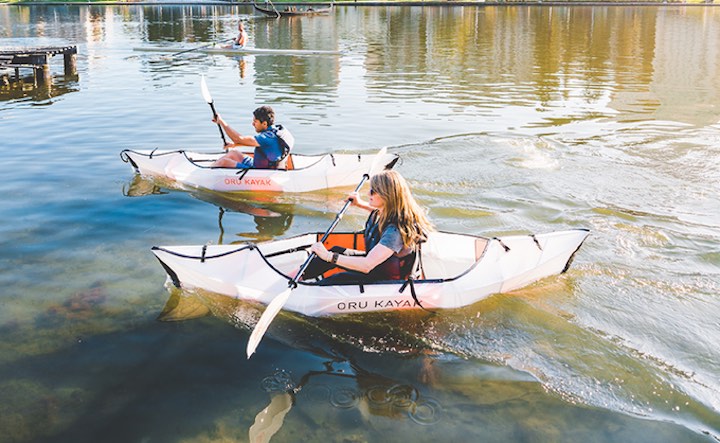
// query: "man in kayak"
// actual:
[[393, 231], [241, 40], [272, 143]]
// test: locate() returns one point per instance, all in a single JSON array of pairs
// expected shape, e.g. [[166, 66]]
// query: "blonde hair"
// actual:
[[400, 209]]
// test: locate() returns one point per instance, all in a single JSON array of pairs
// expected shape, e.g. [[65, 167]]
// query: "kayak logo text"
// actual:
[[377, 304], [248, 181]]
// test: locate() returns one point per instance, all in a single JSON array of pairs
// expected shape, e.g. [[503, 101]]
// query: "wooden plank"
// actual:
[[19, 65], [53, 50]]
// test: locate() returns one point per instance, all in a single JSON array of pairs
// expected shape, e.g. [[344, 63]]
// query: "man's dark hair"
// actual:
[[265, 114]]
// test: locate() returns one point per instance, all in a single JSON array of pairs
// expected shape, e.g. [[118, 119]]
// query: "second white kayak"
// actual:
[[304, 173]]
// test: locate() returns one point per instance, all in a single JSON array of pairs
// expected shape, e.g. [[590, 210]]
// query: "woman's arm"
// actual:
[[355, 200], [364, 264]]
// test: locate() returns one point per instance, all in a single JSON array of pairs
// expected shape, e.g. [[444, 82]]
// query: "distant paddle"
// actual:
[[279, 301], [197, 48], [208, 98]]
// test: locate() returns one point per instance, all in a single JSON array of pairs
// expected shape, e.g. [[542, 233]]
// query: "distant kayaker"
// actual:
[[241, 40], [272, 143], [396, 226]]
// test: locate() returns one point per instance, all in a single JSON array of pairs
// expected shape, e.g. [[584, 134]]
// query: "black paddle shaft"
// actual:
[[338, 217], [222, 134]]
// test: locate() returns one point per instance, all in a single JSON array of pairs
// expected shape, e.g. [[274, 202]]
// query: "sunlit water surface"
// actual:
[[507, 120]]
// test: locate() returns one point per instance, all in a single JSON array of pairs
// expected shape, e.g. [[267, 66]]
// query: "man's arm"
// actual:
[[236, 137]]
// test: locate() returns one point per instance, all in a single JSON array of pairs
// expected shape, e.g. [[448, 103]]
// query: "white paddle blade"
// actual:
[[273, 308], [377, 164], [278, 302], [270, 420], [204, 89]]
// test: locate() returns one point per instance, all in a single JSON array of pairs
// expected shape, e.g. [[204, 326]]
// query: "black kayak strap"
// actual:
[[504, 246], [410, 282]]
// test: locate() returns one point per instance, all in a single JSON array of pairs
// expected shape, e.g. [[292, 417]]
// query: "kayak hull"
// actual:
[[309, 173], [237, 51], [458, 270]]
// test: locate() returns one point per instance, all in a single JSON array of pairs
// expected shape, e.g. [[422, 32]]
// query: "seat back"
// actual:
[[286, 163]]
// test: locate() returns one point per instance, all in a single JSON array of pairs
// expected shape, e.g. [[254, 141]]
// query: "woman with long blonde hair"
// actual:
[[394, 229]]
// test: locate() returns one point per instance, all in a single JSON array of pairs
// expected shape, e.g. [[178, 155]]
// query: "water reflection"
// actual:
[[603, 60], [273, 215], [619, 58], [140, 186], [26, 88], [515, 330], [180, 308], [298, 80], [268, 224], [348, 387], [279, 78], [242, 66], [176, 24], [24, 85]]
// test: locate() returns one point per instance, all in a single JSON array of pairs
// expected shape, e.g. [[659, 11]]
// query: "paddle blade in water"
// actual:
[[265, 319], [204, 89], [278, 302], [270, 420]]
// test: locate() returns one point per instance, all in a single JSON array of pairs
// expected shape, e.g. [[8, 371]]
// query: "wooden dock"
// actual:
[[37, 59]]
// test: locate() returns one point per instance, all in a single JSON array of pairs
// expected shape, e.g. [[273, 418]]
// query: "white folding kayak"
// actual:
[[302, 173], [454, 270]]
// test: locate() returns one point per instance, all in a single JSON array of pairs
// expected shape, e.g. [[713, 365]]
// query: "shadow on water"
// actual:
[[349, 371]]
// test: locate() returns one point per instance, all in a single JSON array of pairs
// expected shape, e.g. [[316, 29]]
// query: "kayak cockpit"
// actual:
[[444, 256]]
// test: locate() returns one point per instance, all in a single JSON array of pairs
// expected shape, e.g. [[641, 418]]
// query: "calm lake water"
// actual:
[[507, 120]]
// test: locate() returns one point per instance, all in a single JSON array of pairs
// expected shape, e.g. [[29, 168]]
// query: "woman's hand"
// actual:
[[355, 200], [320, 250]]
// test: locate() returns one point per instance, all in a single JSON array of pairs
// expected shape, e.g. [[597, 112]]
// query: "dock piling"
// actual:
[[70, 61], [37, 59]]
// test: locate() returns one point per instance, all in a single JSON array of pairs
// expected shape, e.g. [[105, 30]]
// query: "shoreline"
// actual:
[[433, 3]]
